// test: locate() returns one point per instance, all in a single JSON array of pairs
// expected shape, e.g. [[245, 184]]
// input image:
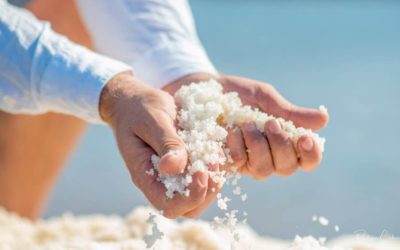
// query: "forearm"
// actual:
[[42, 71]]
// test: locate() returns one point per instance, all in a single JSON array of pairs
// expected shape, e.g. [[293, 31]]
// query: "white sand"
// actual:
[[113, 232]]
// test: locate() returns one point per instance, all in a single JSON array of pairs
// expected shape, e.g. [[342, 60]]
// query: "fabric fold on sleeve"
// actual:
[[157, 37], [42, 71]]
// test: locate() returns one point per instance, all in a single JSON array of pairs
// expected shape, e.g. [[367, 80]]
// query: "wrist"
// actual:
[[116, 94]]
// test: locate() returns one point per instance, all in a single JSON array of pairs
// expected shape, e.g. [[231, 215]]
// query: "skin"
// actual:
[[25, 181], [256, 154]]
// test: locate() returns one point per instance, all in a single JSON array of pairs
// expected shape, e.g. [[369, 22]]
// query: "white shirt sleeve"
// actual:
[[157, 37], [42, 71]]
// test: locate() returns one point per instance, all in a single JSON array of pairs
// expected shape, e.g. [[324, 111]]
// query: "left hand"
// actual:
[[262, 154]]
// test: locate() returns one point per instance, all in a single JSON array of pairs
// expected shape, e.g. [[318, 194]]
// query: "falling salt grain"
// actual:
[[222, 203], [323, 221], [337, 228], [156, 234], [323, 109], [237, 191], [204, 114], [204, 110]]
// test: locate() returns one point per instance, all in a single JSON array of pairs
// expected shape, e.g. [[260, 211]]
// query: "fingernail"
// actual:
[[307, 144], [274, 127]]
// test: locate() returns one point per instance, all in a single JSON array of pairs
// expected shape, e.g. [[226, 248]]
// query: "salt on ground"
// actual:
[[98, 232]]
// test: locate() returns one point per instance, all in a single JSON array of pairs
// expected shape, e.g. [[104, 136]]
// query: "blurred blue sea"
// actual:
[[343, 54]]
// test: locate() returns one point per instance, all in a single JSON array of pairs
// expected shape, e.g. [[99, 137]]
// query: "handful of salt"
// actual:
[[204, 110]]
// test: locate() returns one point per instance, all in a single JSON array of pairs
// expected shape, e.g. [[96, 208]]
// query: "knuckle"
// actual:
[[282, 139], [239, 156], [255, 137]]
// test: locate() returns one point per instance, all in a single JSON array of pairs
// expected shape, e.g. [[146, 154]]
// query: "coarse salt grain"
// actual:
[[204, 112], [202, 107], [323, 221], [150, 172], [237, 191]]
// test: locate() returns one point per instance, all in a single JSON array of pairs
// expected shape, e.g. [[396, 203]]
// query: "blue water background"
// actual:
[[344, 54]]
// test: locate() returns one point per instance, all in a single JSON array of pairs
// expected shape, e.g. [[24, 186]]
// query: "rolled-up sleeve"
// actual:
[[157, 37], [42, 71]]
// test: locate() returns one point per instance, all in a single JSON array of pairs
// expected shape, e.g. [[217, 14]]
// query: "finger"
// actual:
[[273, 103], [179, 204], [265, 97], [212, 191], [283, 153], [162, 136], [259, 164], [237, 148], [137, 156], [309, 153]]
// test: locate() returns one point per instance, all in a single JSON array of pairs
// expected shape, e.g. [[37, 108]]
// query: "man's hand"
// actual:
[[262, 154], [143, 121]]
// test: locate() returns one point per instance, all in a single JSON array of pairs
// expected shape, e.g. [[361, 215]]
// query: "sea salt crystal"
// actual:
[[237, 191], [150, 172], [306, 243], [323, 221], [203, 111], [323, 109], [337, 228], [222, 202], [322, 240]]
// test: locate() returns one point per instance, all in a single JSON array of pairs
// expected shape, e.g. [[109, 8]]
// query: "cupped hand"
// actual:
[[262, 154], [143, 121]]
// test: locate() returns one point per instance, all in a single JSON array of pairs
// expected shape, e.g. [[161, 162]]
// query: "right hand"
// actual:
[[143, 120]]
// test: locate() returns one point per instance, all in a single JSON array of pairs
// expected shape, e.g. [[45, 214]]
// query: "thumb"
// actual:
[[163, 138], [273, 103]]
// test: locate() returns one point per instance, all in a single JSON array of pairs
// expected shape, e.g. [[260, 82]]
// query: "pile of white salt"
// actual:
[[98, 232]]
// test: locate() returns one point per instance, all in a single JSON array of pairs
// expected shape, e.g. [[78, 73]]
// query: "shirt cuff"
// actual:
[[171, 61], [73, 78]]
